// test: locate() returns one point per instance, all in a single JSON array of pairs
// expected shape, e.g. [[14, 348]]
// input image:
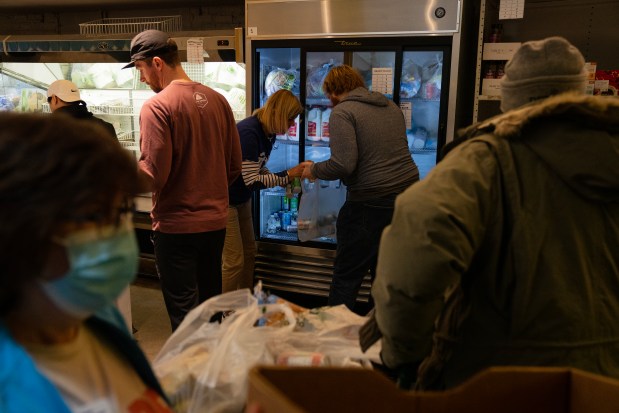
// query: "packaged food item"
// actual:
[[606, 82], [6, 104], [324, 121], [101, 76], [231, 74], [411, 79], [237, 98], [280, 79], [313, 124], [315, 79], [301, 358], [496, 33]]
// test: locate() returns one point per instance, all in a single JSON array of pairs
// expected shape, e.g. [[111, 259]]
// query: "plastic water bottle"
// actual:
[[278, 222], [271, 228]]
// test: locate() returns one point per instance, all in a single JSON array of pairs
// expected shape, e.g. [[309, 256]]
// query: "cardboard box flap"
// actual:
[[498, 389]]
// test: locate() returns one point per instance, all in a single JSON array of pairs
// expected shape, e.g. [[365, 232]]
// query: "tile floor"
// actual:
[[149, 315]]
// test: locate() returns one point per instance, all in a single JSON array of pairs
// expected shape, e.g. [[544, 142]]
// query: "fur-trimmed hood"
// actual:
[[576, 135]]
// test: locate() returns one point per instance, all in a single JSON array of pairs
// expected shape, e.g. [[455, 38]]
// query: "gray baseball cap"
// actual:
[[149, 43]]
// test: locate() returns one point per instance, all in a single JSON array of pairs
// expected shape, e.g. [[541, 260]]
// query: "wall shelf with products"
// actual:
[[584, 23]]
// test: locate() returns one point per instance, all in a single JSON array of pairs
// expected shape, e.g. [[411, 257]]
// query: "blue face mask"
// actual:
[[103, 262]]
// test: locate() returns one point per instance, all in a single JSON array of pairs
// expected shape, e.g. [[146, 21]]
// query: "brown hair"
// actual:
[[52, 169], [342, 79], [278, 110]]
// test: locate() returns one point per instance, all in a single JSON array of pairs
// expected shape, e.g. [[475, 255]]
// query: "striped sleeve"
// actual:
[[256, 178]]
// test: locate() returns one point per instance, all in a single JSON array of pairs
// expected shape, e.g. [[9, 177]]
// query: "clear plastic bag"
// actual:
[[315, 79], [318, 208], [203, 366]]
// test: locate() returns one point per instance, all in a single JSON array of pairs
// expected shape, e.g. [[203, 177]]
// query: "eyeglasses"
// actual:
[[127, 209]]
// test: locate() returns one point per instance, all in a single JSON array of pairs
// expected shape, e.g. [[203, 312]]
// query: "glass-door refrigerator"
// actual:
[[408, 71], [408, 51]]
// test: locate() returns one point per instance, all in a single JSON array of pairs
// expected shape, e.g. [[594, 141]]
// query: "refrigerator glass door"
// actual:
[[420, 100], [317, 113], [318, 107], [377, 69], [278, 68]]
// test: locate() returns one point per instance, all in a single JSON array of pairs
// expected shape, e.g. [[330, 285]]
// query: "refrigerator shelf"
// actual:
[[127, 136], [424, 151], [318, 102], [419, 99], [111, 110], [317, 144], [282, 236], [274, 192], [286, 142]]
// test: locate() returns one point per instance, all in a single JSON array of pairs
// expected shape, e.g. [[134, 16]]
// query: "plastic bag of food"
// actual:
[[411, 79], [204, 365], [431, 78], [315, 79], [280, 79], [318, 208]]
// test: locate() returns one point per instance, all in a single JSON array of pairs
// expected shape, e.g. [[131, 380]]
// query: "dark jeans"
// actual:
[[189, 268], [359, 227]]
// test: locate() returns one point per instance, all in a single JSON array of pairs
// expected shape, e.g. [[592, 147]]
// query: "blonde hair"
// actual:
[[278, 110], [342, 79]]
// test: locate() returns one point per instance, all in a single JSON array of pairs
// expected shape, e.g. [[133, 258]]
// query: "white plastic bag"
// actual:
[[318, 208], [203, 366]]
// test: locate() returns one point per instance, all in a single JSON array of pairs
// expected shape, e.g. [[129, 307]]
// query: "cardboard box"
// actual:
[[495, 390]]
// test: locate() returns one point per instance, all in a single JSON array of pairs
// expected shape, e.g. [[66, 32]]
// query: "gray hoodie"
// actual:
[[369, 150]]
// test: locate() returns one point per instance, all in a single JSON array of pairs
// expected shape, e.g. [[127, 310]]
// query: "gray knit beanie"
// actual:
[[542, 68]]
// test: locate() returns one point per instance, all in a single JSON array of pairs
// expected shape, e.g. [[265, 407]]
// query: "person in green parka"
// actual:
[[507, 253]]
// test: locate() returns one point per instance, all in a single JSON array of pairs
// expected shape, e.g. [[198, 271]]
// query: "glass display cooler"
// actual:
[[29, 64], [412, 60]]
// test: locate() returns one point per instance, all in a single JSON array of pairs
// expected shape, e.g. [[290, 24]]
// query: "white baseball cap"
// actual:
[[66, 91]]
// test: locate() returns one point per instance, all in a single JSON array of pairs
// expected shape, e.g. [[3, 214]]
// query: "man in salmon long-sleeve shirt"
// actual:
[[191, 153]]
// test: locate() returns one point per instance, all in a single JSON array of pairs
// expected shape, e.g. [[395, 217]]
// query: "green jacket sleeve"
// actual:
[[437, 226]]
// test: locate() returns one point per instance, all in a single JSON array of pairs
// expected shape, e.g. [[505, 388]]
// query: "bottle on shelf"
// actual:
[[294, 204], [271, 227], [490, 72], [278, 222], [313, 124], [296, 185], [496, 33], [324, 122], [500, 71]]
